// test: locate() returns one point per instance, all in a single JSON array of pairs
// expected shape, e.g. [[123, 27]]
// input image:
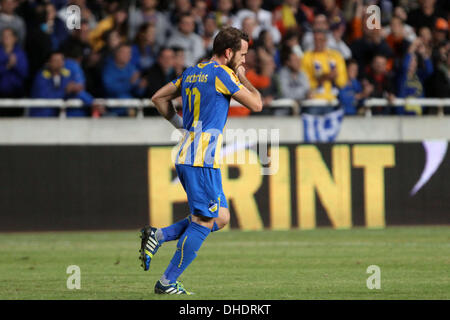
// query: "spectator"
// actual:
[[55, 81], [182, 7], [112, 40], [185, 37], [291, 39], [179, 61], [354, 13], [321, 23], [159, 74], [38, 43], [326, 73], [162, 71], [265, 41], [262, 17], [289, 16], [97, 60], [293, 83], [223, 13], [78, 40], [72, 62], [426, 37], [408, 32], [424, 16], [378, 81], [13, 66], [13, 71], [260, 71], [143, 50], [439, 82], [369, 45], [199, 12], [250, 28], [416, 68], [117, 21], [331, 10], [8, 19], [440, 32], [396, 40], [352, 95], [122, 80], [336, 42], [325, 69], [54, 27], [210, 32], [147, 13]]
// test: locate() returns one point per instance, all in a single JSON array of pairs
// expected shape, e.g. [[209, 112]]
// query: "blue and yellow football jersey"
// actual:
[[206, 90]]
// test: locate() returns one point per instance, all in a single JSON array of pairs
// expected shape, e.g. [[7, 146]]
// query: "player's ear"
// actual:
[[228, 53]]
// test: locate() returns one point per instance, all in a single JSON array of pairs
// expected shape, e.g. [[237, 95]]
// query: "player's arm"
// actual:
[[163, 102], [248, 96]]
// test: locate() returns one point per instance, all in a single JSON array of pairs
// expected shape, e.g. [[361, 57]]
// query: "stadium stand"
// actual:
[[401, 68]]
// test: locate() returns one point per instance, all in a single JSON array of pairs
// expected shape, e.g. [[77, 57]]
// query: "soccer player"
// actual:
[[206, 90]]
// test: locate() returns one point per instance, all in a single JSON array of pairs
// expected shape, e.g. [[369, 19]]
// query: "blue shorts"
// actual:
[[203, 187]]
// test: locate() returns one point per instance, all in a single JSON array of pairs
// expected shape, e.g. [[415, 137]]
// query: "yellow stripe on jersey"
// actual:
[[217, 152], [220, 87], [188, 140], [177, 83], [203, 64], [201, 149], [233, 75], [200, 153]]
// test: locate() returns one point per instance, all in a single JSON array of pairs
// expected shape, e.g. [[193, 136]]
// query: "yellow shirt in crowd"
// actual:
[[318, 63]]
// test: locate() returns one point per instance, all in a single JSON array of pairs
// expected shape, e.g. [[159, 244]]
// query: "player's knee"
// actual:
[[202, 220], [224, 217]]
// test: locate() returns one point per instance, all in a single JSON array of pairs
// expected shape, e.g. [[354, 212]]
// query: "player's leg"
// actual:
[[174, 231], [224, 214], [222, 220], [203, 198], [187, 247], [152, 238]]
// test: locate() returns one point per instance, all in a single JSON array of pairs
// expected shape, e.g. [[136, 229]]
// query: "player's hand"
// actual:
[[240, 72]]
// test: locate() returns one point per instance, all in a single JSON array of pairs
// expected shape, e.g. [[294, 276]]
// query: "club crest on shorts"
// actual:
[[212, 206]]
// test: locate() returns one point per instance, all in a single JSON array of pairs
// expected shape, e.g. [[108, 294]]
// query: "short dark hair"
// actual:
[[228, 38], [351, 61], [285, 54], [14, 32], [120, 46], [162, 49], [177, 49], [54, 52]]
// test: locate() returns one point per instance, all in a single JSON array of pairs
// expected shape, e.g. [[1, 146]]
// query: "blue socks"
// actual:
[[174, 231], [187, 247]]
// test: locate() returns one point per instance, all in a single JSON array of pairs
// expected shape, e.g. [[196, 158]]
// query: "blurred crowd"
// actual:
[[316, 49]]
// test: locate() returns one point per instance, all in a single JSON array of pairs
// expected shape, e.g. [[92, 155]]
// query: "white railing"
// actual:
[[139, 104], [438, 103]]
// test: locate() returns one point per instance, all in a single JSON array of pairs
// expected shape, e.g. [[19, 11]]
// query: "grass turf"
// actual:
[[316, 264]]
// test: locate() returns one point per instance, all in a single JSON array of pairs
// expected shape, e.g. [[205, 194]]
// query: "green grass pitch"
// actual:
[[317, 264]]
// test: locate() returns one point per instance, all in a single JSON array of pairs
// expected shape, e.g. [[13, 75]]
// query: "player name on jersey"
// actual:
[[197, 78]]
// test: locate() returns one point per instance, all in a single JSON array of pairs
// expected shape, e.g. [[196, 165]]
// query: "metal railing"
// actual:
[[140, 104]]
